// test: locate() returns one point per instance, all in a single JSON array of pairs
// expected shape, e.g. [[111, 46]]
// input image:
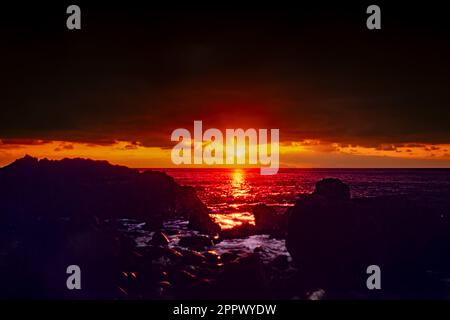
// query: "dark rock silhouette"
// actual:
[[192, 257], [159, 239], [196, 242], [80, 189], [267, 220], [244, 278], [332, 188], [191, 206], [57, 213], [281, 262], [333, 239]]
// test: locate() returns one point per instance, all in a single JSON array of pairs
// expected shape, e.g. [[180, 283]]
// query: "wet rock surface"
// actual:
[[206, 269], [198, 242], [158, 239], [268, 221]]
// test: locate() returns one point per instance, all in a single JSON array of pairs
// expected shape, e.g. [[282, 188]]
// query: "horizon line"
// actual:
[[295, 168]]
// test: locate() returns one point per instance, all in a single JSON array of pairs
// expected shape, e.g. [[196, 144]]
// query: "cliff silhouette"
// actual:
[[80, 190], [57, 213]]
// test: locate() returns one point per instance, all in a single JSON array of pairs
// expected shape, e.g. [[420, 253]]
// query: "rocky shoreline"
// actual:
[[142, 236]]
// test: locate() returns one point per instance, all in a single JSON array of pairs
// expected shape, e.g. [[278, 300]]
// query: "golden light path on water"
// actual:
[[231, 220], [239, 190]]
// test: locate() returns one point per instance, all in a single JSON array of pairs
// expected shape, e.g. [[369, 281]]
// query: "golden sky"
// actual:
[[301, 154]]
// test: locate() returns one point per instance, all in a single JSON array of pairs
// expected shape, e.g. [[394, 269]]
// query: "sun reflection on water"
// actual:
[[238, 190], [231, 220], [239, 185]]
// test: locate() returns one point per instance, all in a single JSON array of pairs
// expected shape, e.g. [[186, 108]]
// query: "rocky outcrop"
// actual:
[[81, 189], [196, 242], [268, 221], [57, 213], [191, 206], [159, 239], [333, 189], [333, 239], [244, 278]]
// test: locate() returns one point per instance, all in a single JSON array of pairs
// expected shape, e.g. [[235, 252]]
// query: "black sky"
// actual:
[[136, 72]]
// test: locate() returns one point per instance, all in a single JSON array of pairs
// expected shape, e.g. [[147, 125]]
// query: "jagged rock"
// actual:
[[267, 220], [280, 262], [182, 278], [201, 289], [244, 278], [191, 206], [78, 189], [332, 188], [212, 258], [196, 242], [333, 239], [193, 257], [227, 257], [258, 249], [57, 213], [159, 239]]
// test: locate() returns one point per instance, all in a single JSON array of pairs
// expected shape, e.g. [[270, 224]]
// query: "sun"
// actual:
[[240, 155]]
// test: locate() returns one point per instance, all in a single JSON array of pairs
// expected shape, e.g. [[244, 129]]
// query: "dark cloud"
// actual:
[[22, 142], [64, 147], [136, 73]]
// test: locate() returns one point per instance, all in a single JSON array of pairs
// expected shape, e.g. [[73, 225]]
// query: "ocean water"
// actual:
[[235, 191], [231, 193], [268, 247]]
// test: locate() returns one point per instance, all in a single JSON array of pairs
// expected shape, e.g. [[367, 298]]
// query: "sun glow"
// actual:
[[306, 153], [237, 178], [235, 147], [239, 189], [239, 186]]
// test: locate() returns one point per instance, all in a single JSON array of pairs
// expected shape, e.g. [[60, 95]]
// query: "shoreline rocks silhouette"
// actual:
[[82, 189], [333, 239], [268, 221], [56, 213]]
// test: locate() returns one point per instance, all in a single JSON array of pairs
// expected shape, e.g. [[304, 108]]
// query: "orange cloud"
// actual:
[[305, 153]]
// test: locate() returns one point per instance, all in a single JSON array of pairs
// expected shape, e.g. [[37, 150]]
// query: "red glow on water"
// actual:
[[231, 220]]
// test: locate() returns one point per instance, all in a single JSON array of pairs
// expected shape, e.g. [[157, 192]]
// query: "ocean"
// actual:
[[231, 193]]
